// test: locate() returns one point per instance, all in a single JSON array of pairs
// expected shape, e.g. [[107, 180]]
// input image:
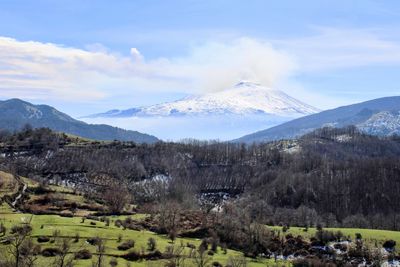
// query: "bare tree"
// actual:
[[100, 250], [175, 256], [117, 197], [151, 244], [64, 258], [17, 239], [29, 252], [3, 229], [237, 262], [201, 258], [169, 213]]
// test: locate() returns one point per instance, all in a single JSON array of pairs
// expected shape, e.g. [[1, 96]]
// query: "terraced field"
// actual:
[[47, 225]]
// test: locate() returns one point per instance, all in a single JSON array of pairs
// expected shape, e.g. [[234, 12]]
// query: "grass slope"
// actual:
[[369, 235], [46, 225]]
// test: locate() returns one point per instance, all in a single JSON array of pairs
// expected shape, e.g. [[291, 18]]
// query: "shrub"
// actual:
[[113, 262], [39, 190], [323, 237], [83, 254], [151, 244], [43, 239], [93, 241], [214, 244], [68, 215], [224, 248], [203, 245], [126, 245], [389, 244], [155, 255], [76, 238], [118, 223], [131, 256], [172, 235], [50, 252], [190, 245]]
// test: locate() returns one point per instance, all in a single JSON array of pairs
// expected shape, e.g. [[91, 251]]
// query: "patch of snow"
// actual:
[[382, 123], [33, 112], [343, 138], [329, 124]]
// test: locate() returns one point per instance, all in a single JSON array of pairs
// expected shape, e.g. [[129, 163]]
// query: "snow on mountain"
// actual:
[[382, 123], [244, 98], [376, 117], [224, 115]]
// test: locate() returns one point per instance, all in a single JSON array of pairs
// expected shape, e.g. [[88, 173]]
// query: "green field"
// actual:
[[45, 225], [368, 235], [69, 227]]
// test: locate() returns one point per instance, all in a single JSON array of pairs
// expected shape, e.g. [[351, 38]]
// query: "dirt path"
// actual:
[[21, 193]]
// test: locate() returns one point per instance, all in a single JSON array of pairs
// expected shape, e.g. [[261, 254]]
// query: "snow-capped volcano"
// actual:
[[245, 98], [244, 108]]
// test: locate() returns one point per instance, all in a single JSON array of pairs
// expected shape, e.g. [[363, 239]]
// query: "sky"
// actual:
[[85, 57]]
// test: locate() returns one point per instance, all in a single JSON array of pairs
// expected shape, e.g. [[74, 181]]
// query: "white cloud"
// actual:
[[136, 54], [45, 70], [216, 66], [35, 69], [49, 71]]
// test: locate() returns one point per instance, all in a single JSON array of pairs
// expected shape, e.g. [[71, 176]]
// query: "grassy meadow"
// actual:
[[47, 225]]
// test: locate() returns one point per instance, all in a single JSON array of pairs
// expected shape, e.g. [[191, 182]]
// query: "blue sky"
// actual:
[[90, 56]]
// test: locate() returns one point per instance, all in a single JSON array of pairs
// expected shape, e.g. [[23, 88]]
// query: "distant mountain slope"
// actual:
[[379, 117], [15, 113], [245, 98]]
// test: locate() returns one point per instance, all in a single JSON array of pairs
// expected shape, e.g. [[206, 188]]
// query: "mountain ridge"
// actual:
[[15, 113], [362, 115]]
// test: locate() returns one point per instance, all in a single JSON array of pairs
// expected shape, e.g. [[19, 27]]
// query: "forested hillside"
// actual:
[[331, 177]]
